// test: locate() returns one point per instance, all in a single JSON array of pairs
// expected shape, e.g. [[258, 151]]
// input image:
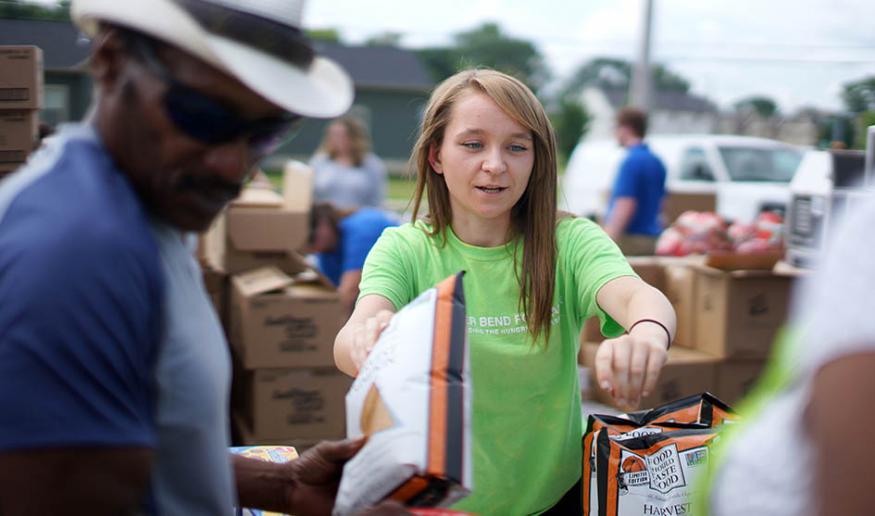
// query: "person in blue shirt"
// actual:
[[342, 241], [633, 219]]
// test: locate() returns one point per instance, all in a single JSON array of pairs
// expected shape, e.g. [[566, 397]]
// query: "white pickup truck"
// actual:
[[746, 175]]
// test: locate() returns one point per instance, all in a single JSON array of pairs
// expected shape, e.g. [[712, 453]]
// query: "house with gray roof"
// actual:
[[391, 86], [673, 112]]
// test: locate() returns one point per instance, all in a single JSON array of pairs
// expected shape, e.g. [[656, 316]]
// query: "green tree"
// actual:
[[763, 106], [21, 10], [327, 35], [570, 121], [859, 95], [612, 73], [385, 39], [488, 46]]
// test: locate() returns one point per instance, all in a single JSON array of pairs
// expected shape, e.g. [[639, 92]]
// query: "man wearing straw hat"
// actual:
[[114, 373]]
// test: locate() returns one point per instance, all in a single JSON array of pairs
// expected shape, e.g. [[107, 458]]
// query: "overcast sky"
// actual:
[[798, 52]]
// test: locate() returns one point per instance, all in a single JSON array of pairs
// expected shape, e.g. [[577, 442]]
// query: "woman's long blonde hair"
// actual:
[[533, 217], [360, 141]]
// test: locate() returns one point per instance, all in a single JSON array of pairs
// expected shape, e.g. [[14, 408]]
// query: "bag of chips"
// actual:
[[646, 462], [412, 398]]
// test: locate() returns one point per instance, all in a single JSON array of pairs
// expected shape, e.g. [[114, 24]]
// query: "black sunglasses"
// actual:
[[207, 120]]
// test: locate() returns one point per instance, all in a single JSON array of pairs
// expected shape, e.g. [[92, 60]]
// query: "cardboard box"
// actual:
[[651, 270], [21, 77], [735, 378], [18, 135], [258, 229], [278, 321], [245, 437], [686, 372], [8, 168], [739, 313], [680, 289], [300, 404]]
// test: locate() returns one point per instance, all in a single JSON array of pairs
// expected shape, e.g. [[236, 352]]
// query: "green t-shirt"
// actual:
[[526, 413]]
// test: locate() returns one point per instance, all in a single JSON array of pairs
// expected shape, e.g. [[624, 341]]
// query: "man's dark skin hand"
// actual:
[[305, 486]]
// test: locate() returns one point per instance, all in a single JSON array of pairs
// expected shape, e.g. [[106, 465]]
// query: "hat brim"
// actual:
[[323, 90]]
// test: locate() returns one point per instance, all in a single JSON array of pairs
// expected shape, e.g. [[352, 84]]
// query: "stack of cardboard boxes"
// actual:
[[21, 83], [727, 323], [280, 315]]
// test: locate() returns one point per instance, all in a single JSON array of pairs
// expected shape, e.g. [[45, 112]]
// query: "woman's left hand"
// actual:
[[628, 367]]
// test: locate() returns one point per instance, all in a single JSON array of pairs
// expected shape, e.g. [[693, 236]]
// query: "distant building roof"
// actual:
[[379, 66], [666, 101], [63, 48], [370, 67]]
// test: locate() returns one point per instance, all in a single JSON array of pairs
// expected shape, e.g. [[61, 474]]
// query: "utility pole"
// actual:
[[642, 90]]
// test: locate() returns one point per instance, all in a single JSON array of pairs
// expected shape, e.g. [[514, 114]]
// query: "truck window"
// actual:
[[756, 164], [695, 167]]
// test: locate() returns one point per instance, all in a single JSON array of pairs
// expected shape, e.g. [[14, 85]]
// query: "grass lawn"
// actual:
[[399, 191]]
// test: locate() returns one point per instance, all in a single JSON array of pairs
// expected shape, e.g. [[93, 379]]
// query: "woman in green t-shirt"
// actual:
[[486, 159]]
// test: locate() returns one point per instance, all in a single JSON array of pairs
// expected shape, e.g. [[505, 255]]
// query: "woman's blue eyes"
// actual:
[[477, 145]]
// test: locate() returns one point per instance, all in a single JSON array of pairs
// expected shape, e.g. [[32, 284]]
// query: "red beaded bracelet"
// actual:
[[654, 321]]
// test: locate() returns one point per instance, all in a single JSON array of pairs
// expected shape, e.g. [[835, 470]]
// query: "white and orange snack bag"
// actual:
[[646, 462], [412, 398]]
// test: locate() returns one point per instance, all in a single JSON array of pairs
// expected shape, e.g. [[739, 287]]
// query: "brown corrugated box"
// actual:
[[263, 228], [21, 77], [303, 404], [243, 436], [650, 269], [680, 289], [735, 378], [19, 130], [8, 168], [738, 313], [278, 321], [685, 373]]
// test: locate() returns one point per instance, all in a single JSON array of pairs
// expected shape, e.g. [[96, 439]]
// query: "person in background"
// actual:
[[804, 444], [486, 158], [633, 217], [114, 370], [342, 241], [346, 173]]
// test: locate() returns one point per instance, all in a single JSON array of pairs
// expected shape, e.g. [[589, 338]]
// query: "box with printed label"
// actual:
[[21, 77], [686, 372], [739, 313], [281, 321], [303, 404], [18, 135], [263, 228]]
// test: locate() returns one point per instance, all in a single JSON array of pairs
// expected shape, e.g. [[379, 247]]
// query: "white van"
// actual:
[[747, 175]]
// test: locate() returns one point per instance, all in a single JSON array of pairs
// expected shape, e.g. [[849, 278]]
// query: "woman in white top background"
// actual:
[[347, 174]]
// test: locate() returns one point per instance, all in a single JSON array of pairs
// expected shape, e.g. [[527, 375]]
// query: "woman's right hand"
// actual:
[[365, 336]]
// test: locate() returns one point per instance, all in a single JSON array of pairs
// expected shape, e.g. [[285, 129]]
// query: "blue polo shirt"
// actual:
[[358, 234], [107, 337], [642, 177], [80, 302]]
